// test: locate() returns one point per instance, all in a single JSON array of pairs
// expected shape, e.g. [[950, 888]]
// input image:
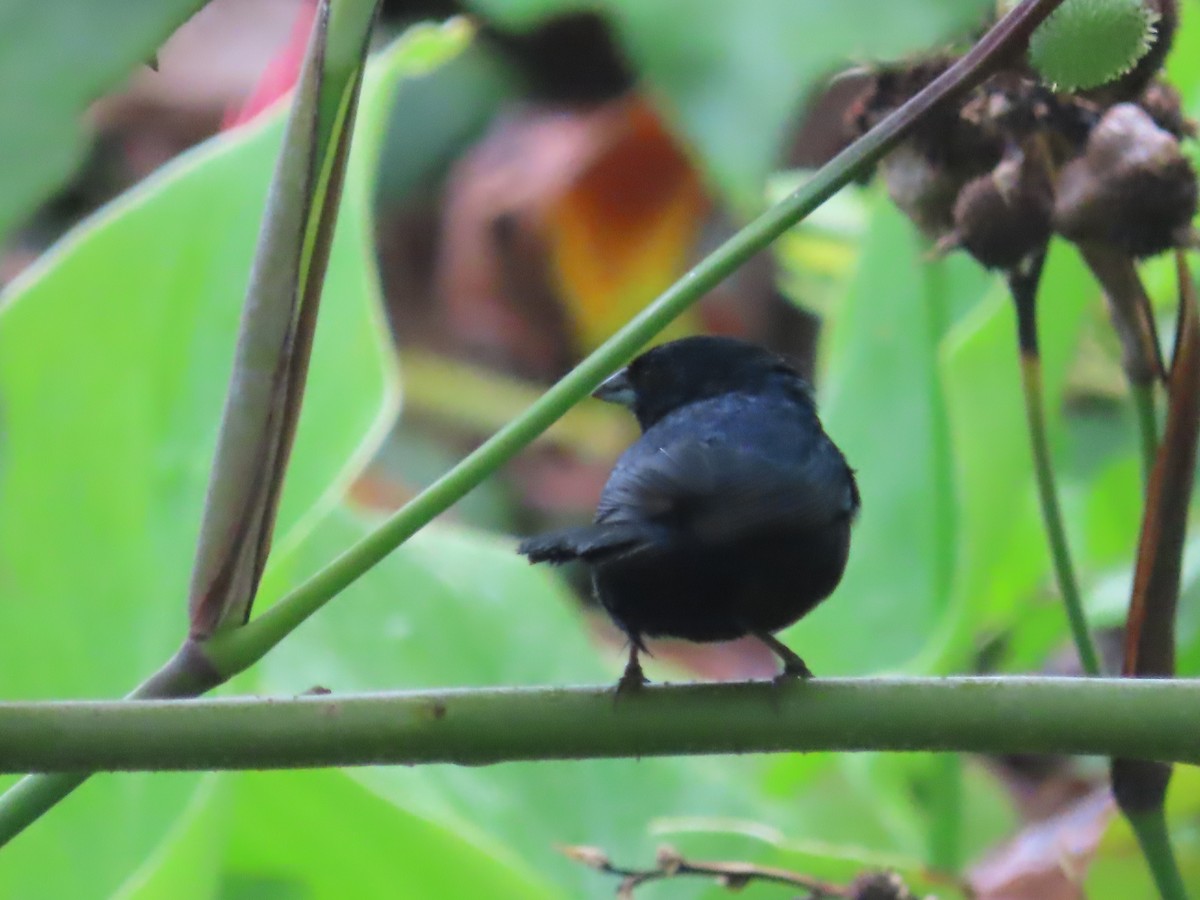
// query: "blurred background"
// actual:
[[528, 175]]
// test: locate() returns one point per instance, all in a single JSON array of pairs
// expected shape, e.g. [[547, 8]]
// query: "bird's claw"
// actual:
[[796, 671], [794, 668], [632, 680]]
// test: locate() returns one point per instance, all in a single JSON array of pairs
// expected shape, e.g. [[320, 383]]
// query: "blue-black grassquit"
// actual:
[[729, 516]]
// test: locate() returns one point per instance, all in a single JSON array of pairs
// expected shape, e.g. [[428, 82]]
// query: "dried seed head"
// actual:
[[1162, 102], [889, 88], [1002, 217], [1013, 105], [1132, 188], [923, 191], [925, 174]]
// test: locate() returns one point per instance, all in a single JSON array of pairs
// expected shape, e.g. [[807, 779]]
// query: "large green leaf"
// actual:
[[882, 403], [55, 58], [322, 834], [1003, 546], [187, 863], [115, 354]]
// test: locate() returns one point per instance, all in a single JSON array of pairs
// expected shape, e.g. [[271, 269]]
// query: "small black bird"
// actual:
[[729, 516]]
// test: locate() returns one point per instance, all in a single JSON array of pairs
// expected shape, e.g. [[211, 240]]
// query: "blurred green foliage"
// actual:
[[727, 70], [114, 356], [64, 55]]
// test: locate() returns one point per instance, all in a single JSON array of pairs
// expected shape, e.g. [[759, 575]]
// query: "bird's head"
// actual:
[[681, 372]]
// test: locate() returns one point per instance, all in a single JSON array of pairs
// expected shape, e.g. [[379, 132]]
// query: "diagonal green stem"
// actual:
[[236, 649]]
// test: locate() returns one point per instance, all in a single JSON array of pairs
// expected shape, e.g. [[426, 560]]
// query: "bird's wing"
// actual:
[[716, 491]]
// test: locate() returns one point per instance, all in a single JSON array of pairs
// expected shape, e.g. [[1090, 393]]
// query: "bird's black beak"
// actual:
[[617, 389]]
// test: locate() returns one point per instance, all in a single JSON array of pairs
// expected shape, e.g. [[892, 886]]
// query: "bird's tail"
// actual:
[[552, 547], [584, 542]]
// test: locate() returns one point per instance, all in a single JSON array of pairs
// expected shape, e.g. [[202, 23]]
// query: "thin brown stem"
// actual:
[[732, 875], [1130, 310]]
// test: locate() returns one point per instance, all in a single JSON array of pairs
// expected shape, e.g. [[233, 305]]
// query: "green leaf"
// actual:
[[388, 630], [322, 834], [1004, 553], [186, 864], [56, 58], [114, 356], [882, 403], [115, 352]]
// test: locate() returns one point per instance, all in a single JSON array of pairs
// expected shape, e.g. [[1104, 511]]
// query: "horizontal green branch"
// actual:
[[1142, 718]]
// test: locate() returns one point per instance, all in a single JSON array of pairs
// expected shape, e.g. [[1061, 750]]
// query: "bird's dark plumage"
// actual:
[[729, 516]]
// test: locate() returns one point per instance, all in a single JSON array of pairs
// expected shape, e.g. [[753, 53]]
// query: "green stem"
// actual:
[[1147, 416], [1134, 718], [26, 801], [1023, 283], [236, 649], [1150, 828], [1056, 532]]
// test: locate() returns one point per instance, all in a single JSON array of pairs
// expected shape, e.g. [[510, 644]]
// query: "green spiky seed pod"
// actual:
[[1086, 43]]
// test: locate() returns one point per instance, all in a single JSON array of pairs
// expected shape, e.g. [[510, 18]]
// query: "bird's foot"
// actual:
[[793, 666], [633, 679], [793, 670]]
